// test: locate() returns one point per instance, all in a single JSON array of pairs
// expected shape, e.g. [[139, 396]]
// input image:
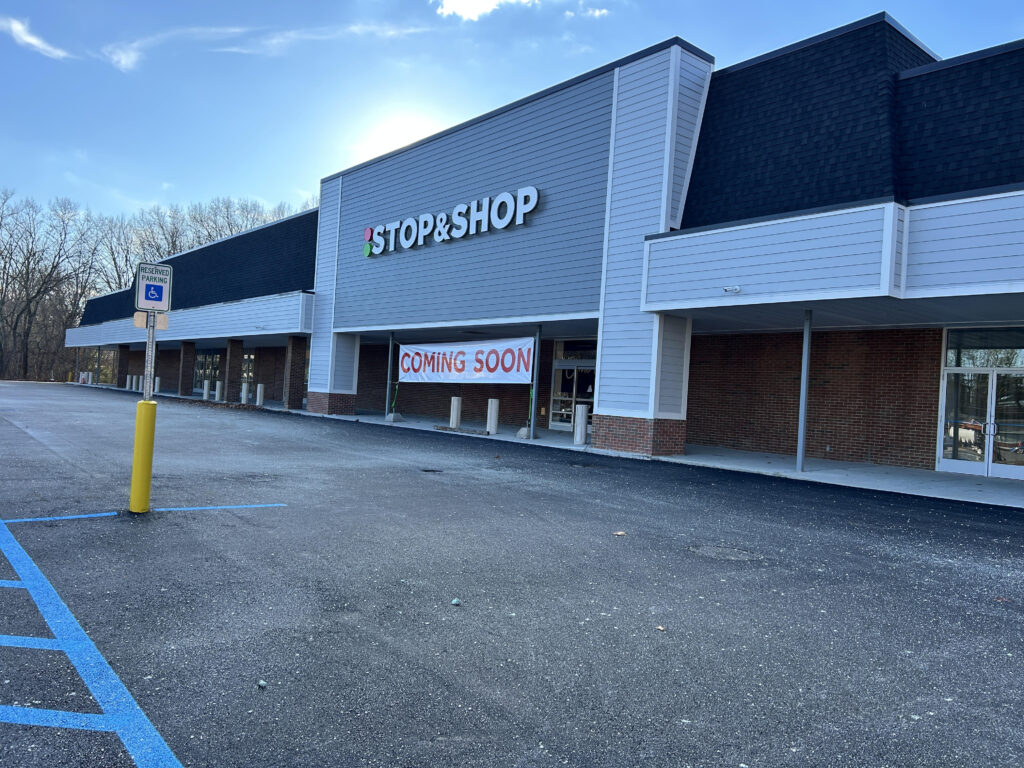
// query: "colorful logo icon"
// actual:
[[367, 236]]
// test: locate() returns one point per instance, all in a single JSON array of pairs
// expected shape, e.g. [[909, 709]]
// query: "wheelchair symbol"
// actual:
[[154, 292]]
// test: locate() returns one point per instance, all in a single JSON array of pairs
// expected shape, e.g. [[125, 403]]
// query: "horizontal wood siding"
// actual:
[[812, 255], [673, 366], [261, 316], [323, 301], [693, 75], [551, 264], [966, 244]]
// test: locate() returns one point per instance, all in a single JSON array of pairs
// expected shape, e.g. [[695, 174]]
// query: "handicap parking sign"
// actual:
[[154, 292], [153, 287]]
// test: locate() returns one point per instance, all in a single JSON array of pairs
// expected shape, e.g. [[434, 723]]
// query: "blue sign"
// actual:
[[154, 292]]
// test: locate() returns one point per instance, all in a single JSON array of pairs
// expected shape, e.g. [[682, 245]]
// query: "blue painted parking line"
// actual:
[[60, 517], [23, 641], [54, 718], [121, 714], [228, 506], [12, 584]]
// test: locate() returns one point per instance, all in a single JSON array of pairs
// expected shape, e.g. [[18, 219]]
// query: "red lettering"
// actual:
[[460, 362], [487, 360], [403, 362], [523, 359], [417, 362], [429, 362], [479, 361], [508, 354]]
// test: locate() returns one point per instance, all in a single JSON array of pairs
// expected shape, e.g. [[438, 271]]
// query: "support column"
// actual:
[[98, 365], [121, 378], [233, 371], [805, 375], [340, 396], [295, 372], [186, 368]]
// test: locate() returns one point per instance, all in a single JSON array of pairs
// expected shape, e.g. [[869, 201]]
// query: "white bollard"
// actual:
[[156, 384], [259, 395], [206, 389], [492, 416], [219, 392], [139, 381], [90, 377], [127, 382], [134, 387], [579, 426], [244, 398], [455, 418]]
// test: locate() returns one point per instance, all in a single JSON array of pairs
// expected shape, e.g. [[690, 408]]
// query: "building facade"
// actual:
[[816, 252]]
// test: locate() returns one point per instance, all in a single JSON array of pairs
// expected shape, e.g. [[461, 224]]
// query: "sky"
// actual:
[[125, 105]]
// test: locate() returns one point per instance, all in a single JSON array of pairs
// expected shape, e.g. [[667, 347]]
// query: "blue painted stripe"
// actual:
[[23, 641], [12, 584], [229, 506], [121, 713], [60, 517], [54, 718]]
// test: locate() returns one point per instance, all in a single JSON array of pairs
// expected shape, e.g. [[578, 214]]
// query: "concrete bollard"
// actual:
[[90, 377], [127, 382], [579, 425], [206, 389], [455, 418], [492, 416], [156, 384], [218, 394], [259, 395], [139, 382], [244, 397]]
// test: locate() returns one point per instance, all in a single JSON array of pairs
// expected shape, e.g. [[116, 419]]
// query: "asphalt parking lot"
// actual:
[[740, 621]]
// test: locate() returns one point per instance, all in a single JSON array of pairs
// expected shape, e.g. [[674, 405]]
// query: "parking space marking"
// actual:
[[59, 517], [23, 641], [12, 584], [121, 714]]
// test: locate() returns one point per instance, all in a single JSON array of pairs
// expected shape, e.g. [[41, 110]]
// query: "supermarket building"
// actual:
[[819, 250]]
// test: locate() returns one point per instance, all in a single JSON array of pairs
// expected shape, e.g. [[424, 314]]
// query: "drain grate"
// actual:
[[717, 552]]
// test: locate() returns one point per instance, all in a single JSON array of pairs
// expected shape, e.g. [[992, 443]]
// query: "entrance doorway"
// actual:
[[982, 427], [573, 385]]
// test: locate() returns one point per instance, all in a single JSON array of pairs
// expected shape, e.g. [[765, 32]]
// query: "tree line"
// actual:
[[54, 257]]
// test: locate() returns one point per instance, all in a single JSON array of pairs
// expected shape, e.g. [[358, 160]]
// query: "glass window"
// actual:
[[985, 348]]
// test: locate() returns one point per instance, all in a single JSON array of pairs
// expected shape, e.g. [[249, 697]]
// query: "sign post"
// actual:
[[152, 296]]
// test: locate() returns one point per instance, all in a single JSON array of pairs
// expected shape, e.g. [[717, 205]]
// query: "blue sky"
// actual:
[[121, 105]]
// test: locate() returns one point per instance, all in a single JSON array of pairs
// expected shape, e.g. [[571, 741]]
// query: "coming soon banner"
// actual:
[[498, 361]]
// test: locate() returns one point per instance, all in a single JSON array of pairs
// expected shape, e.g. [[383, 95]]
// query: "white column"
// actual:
[[492, 416]]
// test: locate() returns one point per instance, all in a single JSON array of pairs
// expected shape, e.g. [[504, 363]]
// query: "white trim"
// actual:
[[670, 135], [979, 198], [631, 414], [532, 319], [607, 227], [779, 298], [888, 262], [334, 288], [643, 273], [657, 339], [693, 145], [686, 366], [770, 222], [1002, 286], [905, 247], [941, 410]]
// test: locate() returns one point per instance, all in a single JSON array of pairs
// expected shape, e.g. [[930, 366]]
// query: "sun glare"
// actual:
[[391, 131]]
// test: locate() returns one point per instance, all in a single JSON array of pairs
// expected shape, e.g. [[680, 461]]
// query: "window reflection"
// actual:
[[985, 348]]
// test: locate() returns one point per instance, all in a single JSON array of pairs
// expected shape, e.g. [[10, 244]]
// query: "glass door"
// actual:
[[1008, 425], [964, 446], [573, 385], [983, 423]]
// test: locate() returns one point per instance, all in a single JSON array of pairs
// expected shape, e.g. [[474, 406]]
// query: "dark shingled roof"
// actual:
[[276, 258]]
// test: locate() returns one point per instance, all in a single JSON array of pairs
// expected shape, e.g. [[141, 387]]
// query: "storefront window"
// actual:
[[207, 367], [985, 348]]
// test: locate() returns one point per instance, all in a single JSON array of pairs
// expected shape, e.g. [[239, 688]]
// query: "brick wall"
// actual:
[[649, 437], [186, 367], [873, 395], [330, 402], [268, 370], [435, 399], [294, 387], [167, 362]]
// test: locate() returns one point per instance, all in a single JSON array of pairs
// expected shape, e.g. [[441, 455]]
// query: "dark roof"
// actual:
[[276, 258], [810, 126]]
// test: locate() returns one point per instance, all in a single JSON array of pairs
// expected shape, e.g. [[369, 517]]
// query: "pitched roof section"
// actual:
[[276, 258], [809, 126]]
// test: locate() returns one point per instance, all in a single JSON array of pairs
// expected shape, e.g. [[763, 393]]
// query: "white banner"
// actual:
[[498, 361]]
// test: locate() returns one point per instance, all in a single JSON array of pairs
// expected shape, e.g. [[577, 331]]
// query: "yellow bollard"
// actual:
[[142, 456]]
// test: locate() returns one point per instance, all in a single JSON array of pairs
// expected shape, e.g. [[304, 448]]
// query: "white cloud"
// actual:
[[277, 43], [126, 56], [471, 10], [595, 13], [18, 30]]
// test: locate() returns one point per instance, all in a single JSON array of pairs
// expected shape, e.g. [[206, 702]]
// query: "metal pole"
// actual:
[[391, 355], [77, 369], [98, 349], [533, 386], [805, 374], [147, 386]]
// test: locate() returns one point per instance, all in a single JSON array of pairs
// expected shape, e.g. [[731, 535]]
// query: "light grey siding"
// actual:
[[839, 253], [323, 282], [899, 257], [638, 206], [549, 265], [345, 375], [673, 371], [967, 247], [691, 92]]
